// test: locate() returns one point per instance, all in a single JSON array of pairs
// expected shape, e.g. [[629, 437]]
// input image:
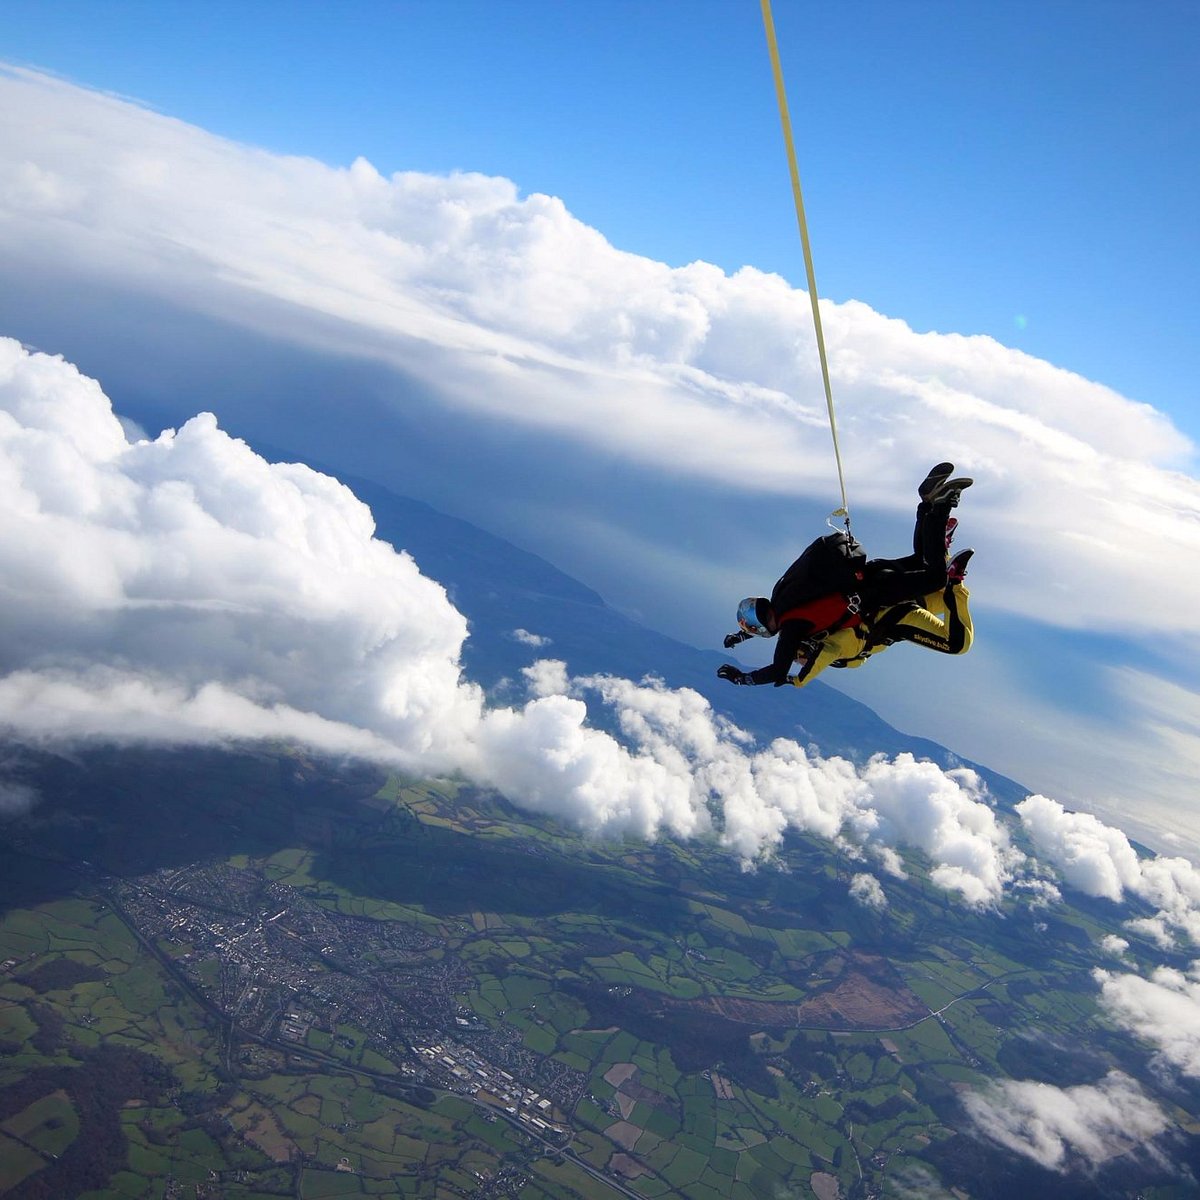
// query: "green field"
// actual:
[[717, 1034]]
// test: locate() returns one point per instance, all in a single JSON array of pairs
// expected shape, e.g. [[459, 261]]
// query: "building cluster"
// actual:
[[473, 1075], [280, 967]]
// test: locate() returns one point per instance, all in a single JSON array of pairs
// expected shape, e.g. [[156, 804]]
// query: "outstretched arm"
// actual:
[[812, 657], [787, 647]]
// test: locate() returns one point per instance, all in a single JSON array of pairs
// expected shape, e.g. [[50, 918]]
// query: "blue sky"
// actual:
[[1024, 170], [1019, 171]]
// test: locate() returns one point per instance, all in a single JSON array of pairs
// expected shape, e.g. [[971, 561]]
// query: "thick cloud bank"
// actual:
[[509, 306], [185, 590], [1057, 1127], [184, 587]]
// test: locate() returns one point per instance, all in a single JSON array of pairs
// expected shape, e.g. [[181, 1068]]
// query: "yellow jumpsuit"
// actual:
[[951, 633]]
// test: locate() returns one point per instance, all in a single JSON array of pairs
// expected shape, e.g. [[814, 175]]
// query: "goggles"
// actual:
[[747, 618]]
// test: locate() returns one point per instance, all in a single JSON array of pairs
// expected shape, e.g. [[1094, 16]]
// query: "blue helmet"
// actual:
[[753, 614]]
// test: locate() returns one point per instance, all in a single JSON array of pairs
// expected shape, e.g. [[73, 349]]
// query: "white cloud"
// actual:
[[916, 804], [547, 677], [1116, 946], [866, 890], [1092, 856], [1164, 1010], [1100, 861], [761, 794], [891, 862], [145, 576], [530, 639], [1042, 893], [1053, 1126], [546, 758]]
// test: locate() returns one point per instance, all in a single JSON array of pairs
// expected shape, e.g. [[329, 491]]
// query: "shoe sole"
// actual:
[[936, 477], [946, 487]]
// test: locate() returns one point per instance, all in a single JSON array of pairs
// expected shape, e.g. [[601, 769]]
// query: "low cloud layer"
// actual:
[[867, 891], [1059, 1128], [1099, 860], [1163, 1010]]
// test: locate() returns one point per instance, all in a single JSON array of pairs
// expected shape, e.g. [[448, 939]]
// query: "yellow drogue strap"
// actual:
[[781, 96]]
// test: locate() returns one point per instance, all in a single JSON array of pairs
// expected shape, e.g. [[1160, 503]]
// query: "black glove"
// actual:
[[735, 639], [730, 672]]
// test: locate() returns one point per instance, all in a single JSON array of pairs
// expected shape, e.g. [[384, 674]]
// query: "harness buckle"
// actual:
[[854, 604]]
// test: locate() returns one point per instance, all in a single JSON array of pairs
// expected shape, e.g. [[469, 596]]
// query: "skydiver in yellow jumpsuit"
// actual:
[[941, 622]]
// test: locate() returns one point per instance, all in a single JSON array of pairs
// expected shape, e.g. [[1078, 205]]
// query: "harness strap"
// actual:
[[883, 632]]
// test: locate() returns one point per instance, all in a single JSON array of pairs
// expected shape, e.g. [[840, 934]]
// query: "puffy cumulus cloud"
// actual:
[[866, 890], [760, 794], [1093, 857], [1116, 946], [1172, 885], [1163, 1010], [916, 804], [526, 638], [692, 771], [184, 590], [547, 677], [891, 862], [545, 757], [1059, 1127], [1100, 861], [509, 306], [1155, 929], [166, 585]]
